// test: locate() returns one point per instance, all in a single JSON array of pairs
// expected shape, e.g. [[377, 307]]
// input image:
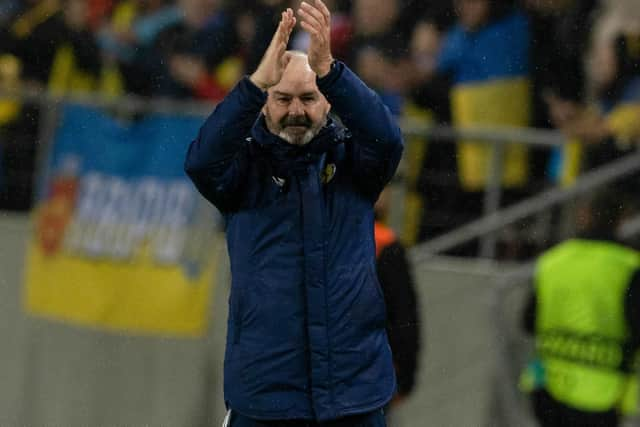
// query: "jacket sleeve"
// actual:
[[377, 141], [217, 160]]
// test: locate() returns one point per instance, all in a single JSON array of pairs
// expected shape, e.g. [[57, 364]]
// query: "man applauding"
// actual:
[[306, 340]]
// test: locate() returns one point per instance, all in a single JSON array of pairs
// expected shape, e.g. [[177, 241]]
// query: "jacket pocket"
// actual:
[[370, 305]]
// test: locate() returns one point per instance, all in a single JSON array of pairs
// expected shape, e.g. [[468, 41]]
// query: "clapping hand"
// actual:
[[316, 20], [276, 58]]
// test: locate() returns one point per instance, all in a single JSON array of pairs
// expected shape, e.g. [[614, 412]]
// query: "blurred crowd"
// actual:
[[567, 64]]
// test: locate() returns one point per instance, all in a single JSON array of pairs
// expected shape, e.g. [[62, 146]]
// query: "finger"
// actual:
[[278, 34], [277, 51], [311, 20], [310, 29], [306, 7], [291, 21], [281, 32], [286, 18], [286, 34], [284, 30], [324, 9], [317, 36], [288, 23]]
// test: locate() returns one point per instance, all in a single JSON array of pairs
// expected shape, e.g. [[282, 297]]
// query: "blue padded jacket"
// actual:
[[306, 331]]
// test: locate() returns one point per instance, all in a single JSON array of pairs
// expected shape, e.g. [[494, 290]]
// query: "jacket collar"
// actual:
[[331, 134]]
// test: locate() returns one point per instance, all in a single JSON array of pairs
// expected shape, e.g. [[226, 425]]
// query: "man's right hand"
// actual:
[[275, 59]]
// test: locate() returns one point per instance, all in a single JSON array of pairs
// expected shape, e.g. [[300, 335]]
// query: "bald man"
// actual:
[[306, 340]]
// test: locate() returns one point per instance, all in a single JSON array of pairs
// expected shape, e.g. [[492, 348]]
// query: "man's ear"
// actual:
[[327, 109]]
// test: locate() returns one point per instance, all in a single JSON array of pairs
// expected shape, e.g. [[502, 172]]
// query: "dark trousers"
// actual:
[[551, 413], [370, 419]]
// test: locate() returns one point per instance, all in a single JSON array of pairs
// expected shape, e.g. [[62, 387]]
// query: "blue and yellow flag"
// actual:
[[121, 239], [491, 87]]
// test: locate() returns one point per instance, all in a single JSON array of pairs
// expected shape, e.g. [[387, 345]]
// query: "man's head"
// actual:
[[473, 14], [295, 109], [375, 17]]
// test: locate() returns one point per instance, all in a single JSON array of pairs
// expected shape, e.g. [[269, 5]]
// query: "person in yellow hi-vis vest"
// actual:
[[584, 313]]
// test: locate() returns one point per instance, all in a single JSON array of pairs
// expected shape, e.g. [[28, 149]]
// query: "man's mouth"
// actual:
[[299, 123]]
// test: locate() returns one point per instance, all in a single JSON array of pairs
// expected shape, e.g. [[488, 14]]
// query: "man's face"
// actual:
[[295, 109]]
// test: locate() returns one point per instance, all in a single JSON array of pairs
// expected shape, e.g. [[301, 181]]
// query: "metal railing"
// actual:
[[500, 218]]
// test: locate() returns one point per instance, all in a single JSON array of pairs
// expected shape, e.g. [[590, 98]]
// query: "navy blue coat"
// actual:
[[306, 332]]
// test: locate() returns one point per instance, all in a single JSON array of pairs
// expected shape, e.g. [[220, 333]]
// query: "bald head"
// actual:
[[297, 73], [295, 109]]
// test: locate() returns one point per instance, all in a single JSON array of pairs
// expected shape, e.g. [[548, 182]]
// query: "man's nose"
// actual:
[[296, 107]]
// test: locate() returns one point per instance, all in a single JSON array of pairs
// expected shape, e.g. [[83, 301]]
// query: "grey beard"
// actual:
[[306, 137]]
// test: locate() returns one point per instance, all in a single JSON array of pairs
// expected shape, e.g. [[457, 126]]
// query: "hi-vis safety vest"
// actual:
[[581, 330]]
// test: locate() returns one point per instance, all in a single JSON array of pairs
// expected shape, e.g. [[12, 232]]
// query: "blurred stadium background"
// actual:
[[113, 275]]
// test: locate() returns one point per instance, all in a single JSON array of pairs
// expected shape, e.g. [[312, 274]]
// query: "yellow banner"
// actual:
[[140, 297]]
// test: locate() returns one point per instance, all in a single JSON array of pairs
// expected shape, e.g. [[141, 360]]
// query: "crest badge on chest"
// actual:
[[280, 182], [328, 173]]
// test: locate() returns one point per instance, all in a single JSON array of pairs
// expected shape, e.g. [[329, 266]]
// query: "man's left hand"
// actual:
[[316, 20]]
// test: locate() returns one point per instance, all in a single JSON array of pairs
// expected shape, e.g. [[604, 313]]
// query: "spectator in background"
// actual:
[[55, 46], [608, 124], [613, 122], [131, 29], [437, 169], [182, 59], [560, 33], [431, 93], [52, 46], [379, 51], [403, 320], [559, 40], [438, 12], [256, 20], [618, 90], [584, 313], [613, 70], [99, 10], [486, 56]]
